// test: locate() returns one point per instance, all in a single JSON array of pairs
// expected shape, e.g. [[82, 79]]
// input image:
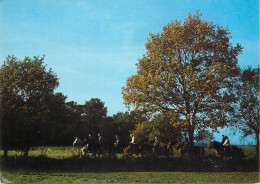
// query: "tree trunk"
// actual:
[[191, 136]]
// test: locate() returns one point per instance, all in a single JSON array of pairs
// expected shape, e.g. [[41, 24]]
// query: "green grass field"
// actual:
[[63, 165], [131, 177]]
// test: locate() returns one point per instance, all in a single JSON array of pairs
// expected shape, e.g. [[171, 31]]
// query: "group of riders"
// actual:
[[100, 140], [89, 144], [98, 144]]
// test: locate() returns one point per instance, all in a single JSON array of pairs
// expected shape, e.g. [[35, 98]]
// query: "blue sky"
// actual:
[[93, 46]]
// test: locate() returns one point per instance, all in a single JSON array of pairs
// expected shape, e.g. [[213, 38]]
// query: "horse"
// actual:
[[145, 149], [77, 142], [87, 146], [170, 147], [132, 149], [179, 146], [232, 151], [98, 148], [118, 147], [196, 152], [184, 148], [163, 151]]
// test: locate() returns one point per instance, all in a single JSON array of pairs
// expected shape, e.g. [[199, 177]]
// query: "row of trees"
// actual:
[[188, 82], [32, 114]]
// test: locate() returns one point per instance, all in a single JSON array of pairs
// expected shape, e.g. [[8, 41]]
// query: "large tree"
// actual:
[[247, 109], [186, 73], [26, 87]]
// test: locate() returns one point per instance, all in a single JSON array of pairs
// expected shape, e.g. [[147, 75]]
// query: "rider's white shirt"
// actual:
[[133, 140], [226, 143]]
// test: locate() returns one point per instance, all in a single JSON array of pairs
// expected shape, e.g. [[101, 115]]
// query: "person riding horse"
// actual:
[[233, 151], [156, 144], [116, 143], [226, 144], [132, 139], [132, 147], [89, 139], [99, 143]]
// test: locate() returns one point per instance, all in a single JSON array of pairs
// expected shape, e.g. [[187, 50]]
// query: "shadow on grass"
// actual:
[[127, 164]]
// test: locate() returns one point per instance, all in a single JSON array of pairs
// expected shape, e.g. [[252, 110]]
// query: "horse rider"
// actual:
[[226, 144], [90, 140], [100, 139], [133, 144], [132, 139], [99, 143], [156, 144], [116, 143]]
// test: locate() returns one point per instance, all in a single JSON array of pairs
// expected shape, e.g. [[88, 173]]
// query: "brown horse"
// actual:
[[232, 151], [185, 149], [132, 149], [179, 146]]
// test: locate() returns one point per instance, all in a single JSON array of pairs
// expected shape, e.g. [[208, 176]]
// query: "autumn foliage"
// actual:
[[186, 73]]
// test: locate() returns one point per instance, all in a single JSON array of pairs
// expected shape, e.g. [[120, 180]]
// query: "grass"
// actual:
[[51, 152], [131, 177]]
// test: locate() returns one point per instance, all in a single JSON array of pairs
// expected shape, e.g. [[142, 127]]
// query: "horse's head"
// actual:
[[77, 141], [215, 144]]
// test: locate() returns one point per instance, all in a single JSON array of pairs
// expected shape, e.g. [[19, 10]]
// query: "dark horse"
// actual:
[[232, 151], [99, 148], [162, 151]]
